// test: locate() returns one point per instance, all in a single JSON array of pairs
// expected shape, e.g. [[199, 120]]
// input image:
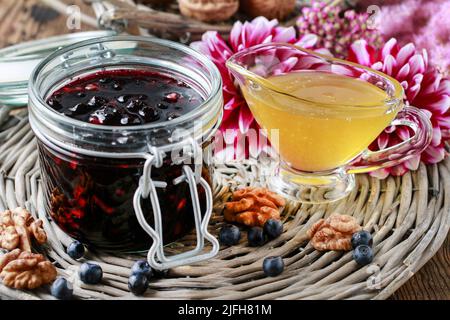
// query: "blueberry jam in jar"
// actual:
[[125, 97], [120, 122], [101, 192]]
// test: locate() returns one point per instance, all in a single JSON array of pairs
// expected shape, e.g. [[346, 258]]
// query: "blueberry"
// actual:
[[173, 115], [273, 266], [96, 101], [273, 228], [90, 273], [3, 252], [104, 115], [124, 120], [229, 235], [134, 120], [363, 254], [138, 283], [135, 105], [116, 86], [256, 237], [149, 113], [75, 250], [362, 237], [122, 98], [141, 266], [54, 104], [78, 109], [162, 106], [62, 289]]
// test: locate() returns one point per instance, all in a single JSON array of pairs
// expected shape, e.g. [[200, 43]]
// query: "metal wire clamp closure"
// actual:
[[147, 188]]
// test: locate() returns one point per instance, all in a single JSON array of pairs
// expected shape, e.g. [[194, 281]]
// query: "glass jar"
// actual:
[[122, 188]]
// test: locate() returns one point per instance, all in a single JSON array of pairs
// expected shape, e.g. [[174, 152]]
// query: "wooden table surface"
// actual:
[[22, 20]]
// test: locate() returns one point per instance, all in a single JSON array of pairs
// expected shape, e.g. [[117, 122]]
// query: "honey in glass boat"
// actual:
[[317, 131], [321, 114]]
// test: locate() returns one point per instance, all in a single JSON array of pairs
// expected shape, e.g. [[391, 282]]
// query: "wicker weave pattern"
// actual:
[[409, 217]]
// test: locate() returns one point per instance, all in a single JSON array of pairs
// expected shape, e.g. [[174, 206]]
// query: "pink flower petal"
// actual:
[[377, 66], [405, 53], [436, 137], [383, 140], [245, 119], [413, 163], [380, 174], [390, 129], [398, 170], [417, 64], [360, 50], [403, 132], [285, 35], [389, 65], [388, 47], [235, 35], [433, 154], [307, 41], [403, 73], [439, 105]]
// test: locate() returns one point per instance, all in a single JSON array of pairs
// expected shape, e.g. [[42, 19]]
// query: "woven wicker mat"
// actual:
[[409, 217]]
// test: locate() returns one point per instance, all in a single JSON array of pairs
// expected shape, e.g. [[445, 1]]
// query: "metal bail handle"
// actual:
[[147, 187]]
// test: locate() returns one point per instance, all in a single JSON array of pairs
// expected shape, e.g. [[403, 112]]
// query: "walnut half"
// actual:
[[333, 233], [26, 270], [253, 206], [18, 228]]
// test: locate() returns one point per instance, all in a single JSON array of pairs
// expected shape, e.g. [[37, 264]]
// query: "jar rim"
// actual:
[[216, 84]]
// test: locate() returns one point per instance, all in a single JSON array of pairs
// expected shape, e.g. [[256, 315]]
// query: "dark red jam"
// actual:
[[124, 98], [91, 198]]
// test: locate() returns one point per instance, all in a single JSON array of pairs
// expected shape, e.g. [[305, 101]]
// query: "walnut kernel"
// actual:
[[25, 270], [333, 233], [253, 206]]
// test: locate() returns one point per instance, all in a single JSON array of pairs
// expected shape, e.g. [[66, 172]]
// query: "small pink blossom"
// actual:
[[336, 29]]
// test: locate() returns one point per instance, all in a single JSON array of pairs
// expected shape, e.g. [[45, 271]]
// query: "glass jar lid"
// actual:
[[20, 60]]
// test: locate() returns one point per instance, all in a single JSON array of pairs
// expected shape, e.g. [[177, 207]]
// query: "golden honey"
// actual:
[[324, 119]]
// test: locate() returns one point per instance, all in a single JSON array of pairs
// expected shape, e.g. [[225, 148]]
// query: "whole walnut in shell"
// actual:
[[208, 10], [271, 9]]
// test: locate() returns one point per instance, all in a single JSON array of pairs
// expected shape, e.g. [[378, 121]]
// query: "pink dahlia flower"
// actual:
[[238, 119], [425, 88]]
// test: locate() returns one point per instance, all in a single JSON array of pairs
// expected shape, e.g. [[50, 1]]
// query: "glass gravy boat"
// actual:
[[321, 114]]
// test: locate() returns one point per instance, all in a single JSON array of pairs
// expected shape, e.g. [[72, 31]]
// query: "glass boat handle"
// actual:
[[422, 128], [147, 187]]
